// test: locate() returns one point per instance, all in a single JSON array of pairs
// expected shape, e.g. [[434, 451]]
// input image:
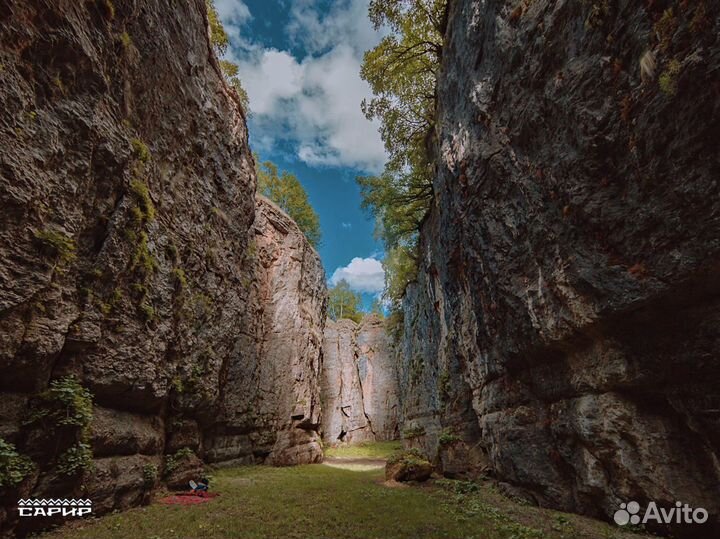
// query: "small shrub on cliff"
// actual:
[[700, 21], [412, 432], [57, 244], [444, 386], [143, 261], [142, 194], [448, 437], [66, 403], [173, 461], [126, 40], [181, 281], [147, 311], [668, 78], [14, 467], [76, 459], [218, 36], [665, 28], [150, 474], [599, 10], [141, 150], [107, 8], [220, 42]]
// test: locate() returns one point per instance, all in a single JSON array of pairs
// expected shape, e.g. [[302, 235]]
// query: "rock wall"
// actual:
[[127, 187], [359, 383], [564, 324], [270, 408]]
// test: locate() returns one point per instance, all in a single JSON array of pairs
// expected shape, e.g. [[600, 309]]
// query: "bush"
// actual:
[[14, 467], [173, 461], [143, 261], [75, 460], [150, 474], [142, 194], [668, 78], [415, 431], [408, 465], [665, 28], [448, 437], [147, 311], [65, 404], [142, 152]]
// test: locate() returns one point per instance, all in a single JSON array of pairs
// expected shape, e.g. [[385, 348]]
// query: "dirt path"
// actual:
[[354, 463]]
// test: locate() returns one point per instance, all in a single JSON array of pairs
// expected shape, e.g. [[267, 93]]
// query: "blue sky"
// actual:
[[299, 61]]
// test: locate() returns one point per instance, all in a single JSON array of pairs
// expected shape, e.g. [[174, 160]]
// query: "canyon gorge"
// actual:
[[561, 336]]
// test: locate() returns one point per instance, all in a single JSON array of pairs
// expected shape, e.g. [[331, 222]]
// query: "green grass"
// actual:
[[367, 450], [320, 502]]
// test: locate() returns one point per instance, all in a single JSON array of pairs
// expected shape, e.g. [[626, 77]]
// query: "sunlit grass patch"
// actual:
[[366, 450]]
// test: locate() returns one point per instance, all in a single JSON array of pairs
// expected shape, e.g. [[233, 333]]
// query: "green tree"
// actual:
[[402, 72], [218, 36], [344, 303], [221, 41], [285, 190], [376, 308]]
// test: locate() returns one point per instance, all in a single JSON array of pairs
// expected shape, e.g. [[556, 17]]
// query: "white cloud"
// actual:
[[312, 103], [346, 225], [319, 29], [270, 76], [362, 274], [233, 14]]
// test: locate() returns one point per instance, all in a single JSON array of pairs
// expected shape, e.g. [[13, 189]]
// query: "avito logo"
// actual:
[[680, 514]]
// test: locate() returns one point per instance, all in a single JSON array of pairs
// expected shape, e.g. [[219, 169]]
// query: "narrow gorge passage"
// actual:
[[363, 268]]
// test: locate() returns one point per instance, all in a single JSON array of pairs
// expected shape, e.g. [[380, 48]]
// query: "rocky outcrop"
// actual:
[[270, 408], [126, 274], [359, 382], [564, 324]]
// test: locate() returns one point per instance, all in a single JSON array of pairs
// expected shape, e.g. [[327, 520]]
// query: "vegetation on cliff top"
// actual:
[[221, 41], [402, 72], [285, 190], [344, 303]]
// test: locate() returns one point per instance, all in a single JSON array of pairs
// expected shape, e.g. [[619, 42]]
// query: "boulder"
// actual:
[[408, 465]]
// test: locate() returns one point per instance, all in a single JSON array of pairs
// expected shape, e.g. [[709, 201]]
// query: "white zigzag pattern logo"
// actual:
[[42, 502]]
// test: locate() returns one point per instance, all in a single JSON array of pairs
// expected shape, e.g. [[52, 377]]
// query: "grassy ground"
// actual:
[[375, 450], [322, 502]]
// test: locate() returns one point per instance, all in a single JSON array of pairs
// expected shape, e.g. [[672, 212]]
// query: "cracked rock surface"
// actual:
[[359, 382], [565, 321], [134, 256]]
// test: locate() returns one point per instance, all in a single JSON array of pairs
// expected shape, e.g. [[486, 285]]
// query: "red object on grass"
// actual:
[[188, 498]]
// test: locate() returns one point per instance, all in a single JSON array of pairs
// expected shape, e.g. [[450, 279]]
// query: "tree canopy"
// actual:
[[344, 303], [285, 190], [402, 72]]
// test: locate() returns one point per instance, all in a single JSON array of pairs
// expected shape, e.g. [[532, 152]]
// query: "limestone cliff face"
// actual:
[[359, 383], [127, 193], [565, 319], [271, 397]]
